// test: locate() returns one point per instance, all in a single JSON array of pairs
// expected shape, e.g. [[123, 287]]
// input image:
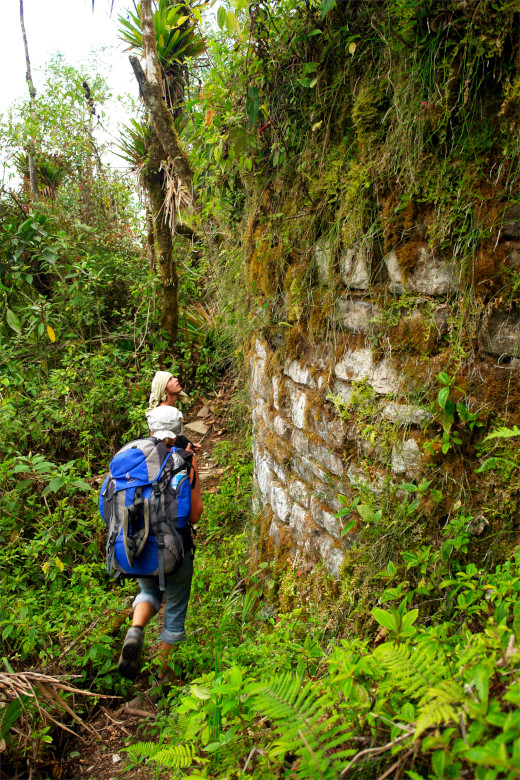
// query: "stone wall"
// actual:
[[305, 451]]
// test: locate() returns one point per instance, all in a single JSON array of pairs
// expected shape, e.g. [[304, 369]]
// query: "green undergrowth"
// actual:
[[286, 681]]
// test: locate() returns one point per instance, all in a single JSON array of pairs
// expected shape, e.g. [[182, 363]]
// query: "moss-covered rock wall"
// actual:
[[385, 255]]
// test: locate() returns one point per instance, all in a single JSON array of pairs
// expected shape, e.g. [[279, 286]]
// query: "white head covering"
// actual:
[[164, 422], [158, 389]]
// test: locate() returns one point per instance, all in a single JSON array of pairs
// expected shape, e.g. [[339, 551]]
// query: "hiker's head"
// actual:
[[173, 387], [166, 389], [164, 422]]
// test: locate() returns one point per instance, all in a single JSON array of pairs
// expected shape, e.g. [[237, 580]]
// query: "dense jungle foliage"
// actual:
[[302, 120]]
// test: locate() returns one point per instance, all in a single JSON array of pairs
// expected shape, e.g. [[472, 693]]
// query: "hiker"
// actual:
[[178, 585]]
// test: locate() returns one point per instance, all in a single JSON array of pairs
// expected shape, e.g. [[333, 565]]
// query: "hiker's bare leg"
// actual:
[[164, 653], [143, 613]]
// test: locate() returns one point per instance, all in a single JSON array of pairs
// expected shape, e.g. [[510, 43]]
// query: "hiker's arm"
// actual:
[[185, 444], [196, 497]]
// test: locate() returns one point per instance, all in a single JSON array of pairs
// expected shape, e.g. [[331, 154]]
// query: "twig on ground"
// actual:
[[374, 751], [86, 631], [396, 765], [139, 713]]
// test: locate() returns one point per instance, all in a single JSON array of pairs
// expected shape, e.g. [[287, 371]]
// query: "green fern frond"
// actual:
[[413, 670], [142, 749], [446, 692], [439, 705], [175, 756], [10, 715], [171, 756], [311, 726], [188, 725], [433, 715]]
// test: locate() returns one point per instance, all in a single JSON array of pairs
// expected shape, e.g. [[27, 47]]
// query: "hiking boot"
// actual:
[[164, 682], [128, 665]]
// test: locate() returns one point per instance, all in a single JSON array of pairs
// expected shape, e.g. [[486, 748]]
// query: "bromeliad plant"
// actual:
[[178, 41]]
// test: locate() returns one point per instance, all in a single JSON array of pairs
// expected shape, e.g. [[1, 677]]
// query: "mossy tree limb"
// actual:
[[163, 124], [154, 183]]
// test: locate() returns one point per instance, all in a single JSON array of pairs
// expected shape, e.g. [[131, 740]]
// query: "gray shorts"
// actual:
[[177, 596]]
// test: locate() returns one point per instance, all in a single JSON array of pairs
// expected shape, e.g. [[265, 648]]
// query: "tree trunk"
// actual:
[[33, 178], [150, 243], [153, 179]]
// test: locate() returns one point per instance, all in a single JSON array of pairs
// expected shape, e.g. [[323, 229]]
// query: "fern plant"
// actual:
[[170, 756], [310, 724], [412, 670]]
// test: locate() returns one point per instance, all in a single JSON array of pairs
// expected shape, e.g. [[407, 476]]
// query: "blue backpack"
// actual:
[[145, 501]]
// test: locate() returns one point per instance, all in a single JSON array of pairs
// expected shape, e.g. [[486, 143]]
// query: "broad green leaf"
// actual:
[[481, 680], [408, 712], [349, 526], [438, 763], [409, 487], [385, 619], [13, 321], [516, 620], [221, 17], [410, 618], [481, 755], [79, 483], [7, 630], [10, 714], [54, 485], [232, 23], [236, 676], [365, 512], [201, 691], [443, 396], [326, 6]]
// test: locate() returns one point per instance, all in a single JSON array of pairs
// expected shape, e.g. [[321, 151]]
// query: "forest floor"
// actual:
[[118, 724]]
